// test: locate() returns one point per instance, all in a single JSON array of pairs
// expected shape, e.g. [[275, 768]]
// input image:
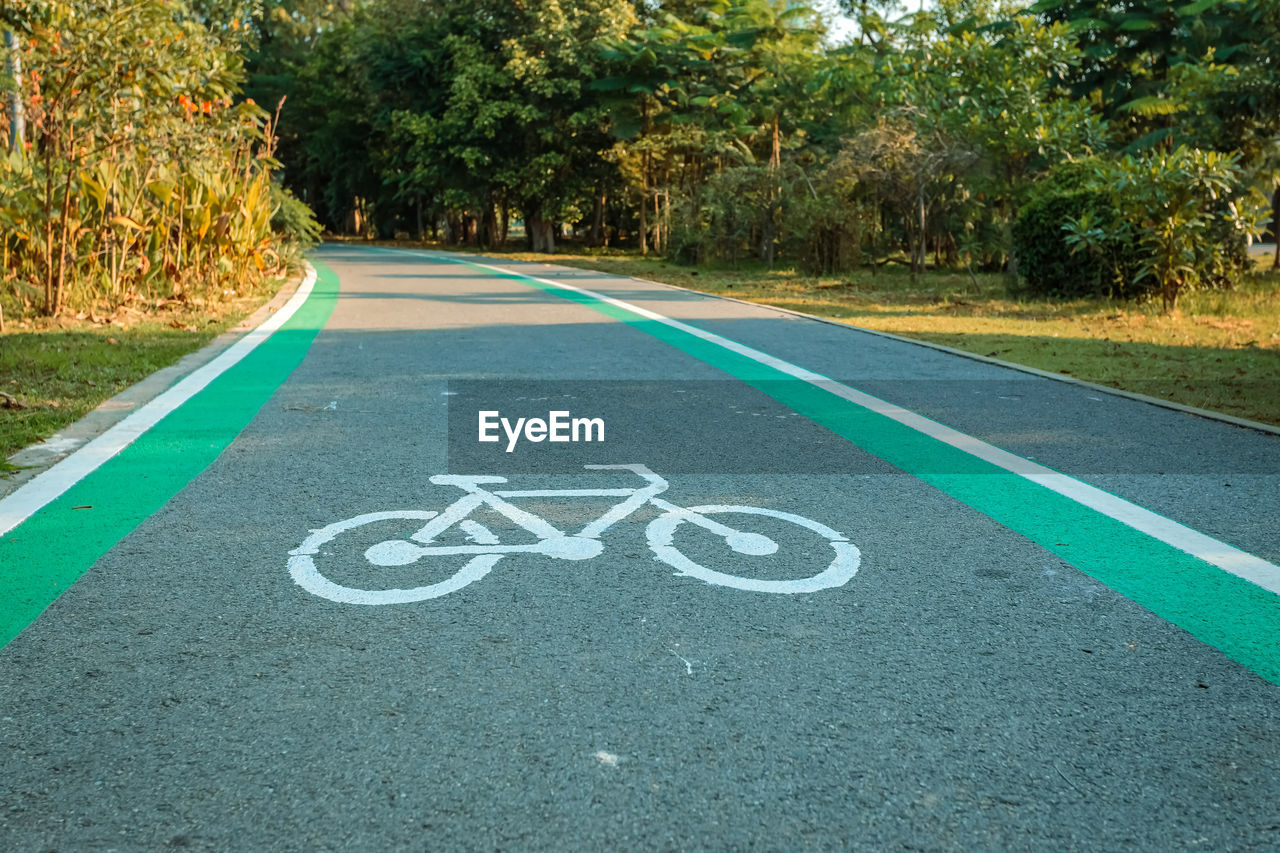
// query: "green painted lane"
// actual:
[[43, 556], [1237, 617]]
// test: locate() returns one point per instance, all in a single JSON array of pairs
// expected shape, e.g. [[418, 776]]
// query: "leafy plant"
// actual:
[[140, 176], [1177, 207]]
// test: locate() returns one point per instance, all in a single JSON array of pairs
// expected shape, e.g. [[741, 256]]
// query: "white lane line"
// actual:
[[1212, 551], [47, 486]]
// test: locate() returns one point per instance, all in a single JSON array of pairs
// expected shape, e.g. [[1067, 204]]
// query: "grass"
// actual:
[[53, 372], [1220, 350]]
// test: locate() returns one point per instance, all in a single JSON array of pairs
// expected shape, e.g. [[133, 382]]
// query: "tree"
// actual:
[[140, 173], [469, 109], [726, 87], [1199, 73]]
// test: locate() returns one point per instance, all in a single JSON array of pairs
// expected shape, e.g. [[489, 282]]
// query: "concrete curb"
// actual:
[[38, 458]]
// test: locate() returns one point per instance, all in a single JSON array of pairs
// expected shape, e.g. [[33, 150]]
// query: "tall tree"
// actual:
[[1199, 73]]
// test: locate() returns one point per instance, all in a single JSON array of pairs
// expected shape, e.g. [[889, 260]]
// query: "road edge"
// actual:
[[33, 460], [58, 525]]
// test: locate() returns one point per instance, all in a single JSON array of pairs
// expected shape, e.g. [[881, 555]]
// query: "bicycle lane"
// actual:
[[1226, 597], [56, 527], [187, 692]]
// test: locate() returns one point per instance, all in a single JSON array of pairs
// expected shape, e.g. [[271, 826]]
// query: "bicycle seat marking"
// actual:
[[485, 550]]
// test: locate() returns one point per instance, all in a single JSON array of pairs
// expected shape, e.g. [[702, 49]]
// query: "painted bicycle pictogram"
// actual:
[[486, 550]]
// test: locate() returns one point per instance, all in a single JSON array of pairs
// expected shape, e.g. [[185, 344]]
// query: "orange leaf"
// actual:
[[126, 222]]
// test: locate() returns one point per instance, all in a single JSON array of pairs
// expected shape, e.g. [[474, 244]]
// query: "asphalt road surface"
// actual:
[[910, 653]]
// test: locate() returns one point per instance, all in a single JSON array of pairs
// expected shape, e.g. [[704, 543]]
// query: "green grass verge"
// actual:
[[1220, 350], [52, 373]]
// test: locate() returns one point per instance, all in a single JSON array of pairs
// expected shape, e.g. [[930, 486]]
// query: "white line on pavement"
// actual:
[[1212, 551], [46, 487]]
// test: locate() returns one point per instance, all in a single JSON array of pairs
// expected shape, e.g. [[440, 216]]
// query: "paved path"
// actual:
[[977, 683]]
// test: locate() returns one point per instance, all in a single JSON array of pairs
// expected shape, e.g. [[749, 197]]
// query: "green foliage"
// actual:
[[1199, 74], [1178, 208], [455, 112], [1049, 259], [139, 176], [292, 219], [725, 130]]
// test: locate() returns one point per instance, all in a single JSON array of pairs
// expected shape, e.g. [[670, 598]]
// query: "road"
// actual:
[[981, 659]]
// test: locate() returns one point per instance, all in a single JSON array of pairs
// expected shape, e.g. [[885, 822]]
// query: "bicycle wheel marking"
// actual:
[[1223, 596], [661, 533], [302, 566]]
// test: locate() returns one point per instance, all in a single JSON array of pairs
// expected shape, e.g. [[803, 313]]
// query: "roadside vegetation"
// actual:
[[134, 172], [141, 210], [999, 176], [1081, 148]]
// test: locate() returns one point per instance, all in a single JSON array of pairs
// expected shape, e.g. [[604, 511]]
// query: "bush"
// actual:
[[141, 177], [1046, 257], [293, 219], [1187, 212]]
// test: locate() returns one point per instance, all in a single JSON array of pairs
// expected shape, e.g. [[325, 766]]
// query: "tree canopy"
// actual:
[[712, 129]]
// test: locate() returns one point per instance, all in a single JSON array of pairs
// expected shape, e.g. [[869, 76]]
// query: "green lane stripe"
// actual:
[[1238, 617], [45, 554]]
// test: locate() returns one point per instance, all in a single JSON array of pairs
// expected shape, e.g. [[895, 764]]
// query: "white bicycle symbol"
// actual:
[[583, 545]]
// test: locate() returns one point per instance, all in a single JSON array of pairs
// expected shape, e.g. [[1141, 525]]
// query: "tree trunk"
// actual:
[[769, 230], [918, 221], [488, 224], [17, 117], [767, 237], [541, 233], [49, 189], [922, 237], [666, 213], [595, 237], [1275, 226], [64, 225], [775, 153], [644, 225], [644, 179], [533, 232], [355, 218], [657, 224]]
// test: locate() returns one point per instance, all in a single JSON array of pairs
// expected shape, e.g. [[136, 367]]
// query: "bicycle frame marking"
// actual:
[[553, 542]]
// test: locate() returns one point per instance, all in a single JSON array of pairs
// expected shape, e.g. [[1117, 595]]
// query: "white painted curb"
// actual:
[[47, 486]]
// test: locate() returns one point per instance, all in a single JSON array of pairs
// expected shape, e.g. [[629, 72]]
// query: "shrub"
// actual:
[[1187, 212], [1047, 258], [293, 219]]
